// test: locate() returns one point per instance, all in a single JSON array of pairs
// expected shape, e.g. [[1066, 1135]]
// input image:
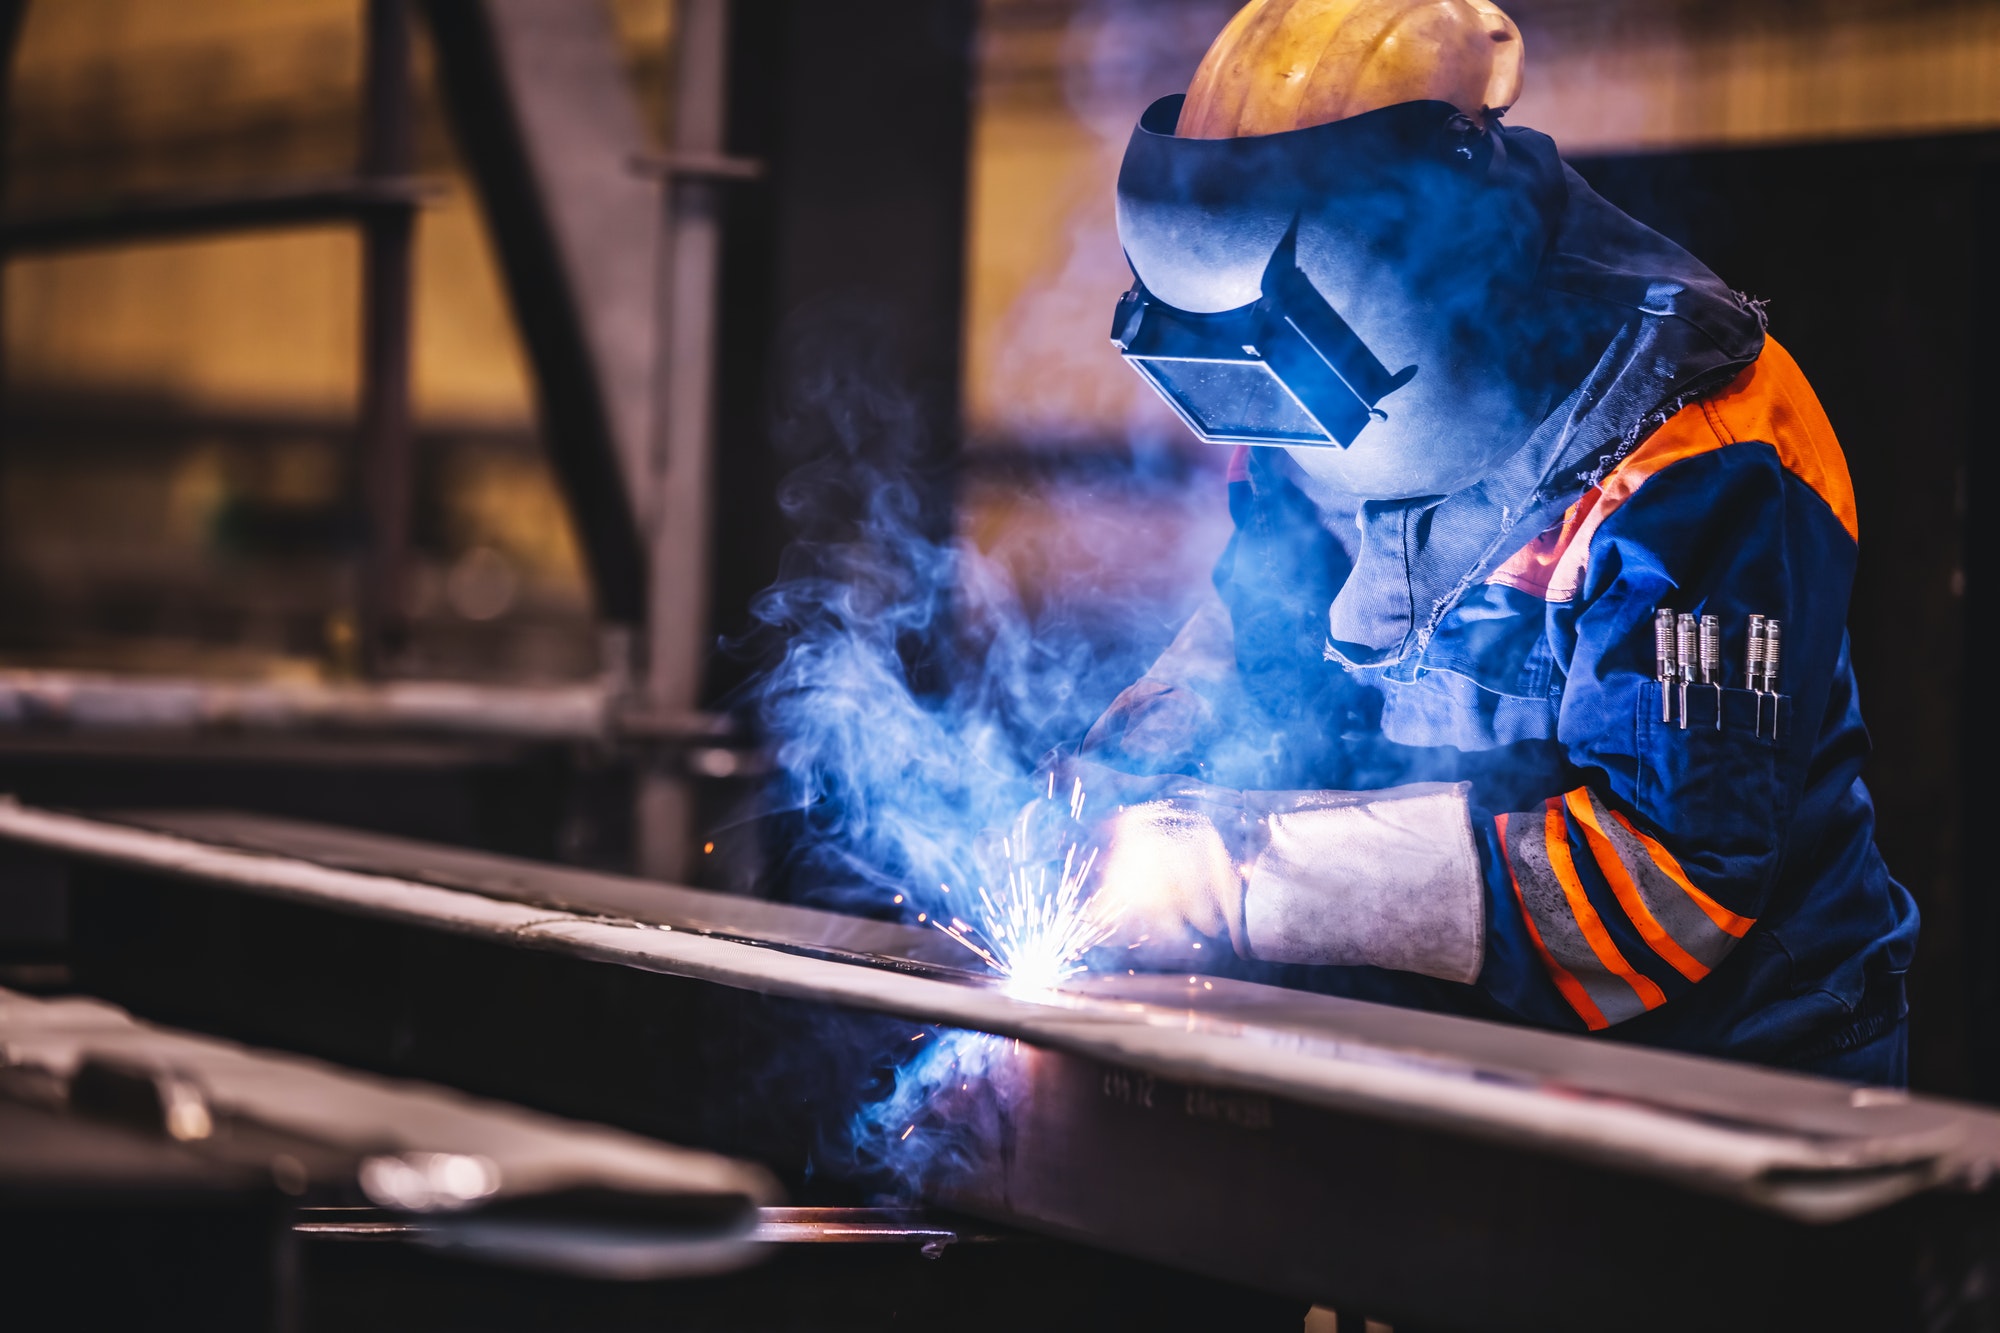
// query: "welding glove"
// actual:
[[1385, 878], [1171, 870]]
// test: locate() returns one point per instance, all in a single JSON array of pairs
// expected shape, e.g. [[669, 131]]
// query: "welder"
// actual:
[[1424, 744]]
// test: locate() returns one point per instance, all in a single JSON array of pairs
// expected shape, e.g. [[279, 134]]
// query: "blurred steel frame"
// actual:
[[1432, 1171], [537, 113], [616, 299], [382, 198], [681, 457], [387, 239], [592, 371], [157, 217]]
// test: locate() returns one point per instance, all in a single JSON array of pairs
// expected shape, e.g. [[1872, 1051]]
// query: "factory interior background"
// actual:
[[269, 474]]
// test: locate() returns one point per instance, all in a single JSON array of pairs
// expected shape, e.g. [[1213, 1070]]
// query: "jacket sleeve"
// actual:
[[1163, 722], [1618, 895]]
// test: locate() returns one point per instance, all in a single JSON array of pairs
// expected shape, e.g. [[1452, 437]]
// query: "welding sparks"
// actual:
[[1031, 931]]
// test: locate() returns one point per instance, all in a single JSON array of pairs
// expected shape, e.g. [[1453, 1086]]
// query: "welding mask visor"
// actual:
[[1300, 289]]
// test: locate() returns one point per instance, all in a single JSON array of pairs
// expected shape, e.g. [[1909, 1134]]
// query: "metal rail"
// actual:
[[158, 217], [1420, 1168], [90, 702]]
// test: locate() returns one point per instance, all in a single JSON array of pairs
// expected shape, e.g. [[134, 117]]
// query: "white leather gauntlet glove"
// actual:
[[1386, 878]]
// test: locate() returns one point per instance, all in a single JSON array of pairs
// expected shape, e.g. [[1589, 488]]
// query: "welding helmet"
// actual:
[[1360, 292]]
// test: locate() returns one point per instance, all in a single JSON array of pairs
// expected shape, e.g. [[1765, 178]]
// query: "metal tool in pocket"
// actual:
[[1711, 663], [1766, 650], [1773, 641], [1687, 652], [1665, 670]]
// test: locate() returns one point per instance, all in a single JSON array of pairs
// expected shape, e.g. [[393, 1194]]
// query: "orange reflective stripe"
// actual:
[[1627, 892], [1572, 989], [1725, 920], [1556, 830]]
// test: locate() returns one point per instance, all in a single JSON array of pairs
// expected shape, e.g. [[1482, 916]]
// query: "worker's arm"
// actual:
[[1419, 906], [1387, 878]]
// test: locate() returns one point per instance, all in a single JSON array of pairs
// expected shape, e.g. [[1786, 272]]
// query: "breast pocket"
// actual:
[[1718, 773]]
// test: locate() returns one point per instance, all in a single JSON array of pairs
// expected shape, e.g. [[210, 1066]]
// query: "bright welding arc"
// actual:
[[1035, 935]]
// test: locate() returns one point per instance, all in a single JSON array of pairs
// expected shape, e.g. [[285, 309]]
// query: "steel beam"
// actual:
[[1422, 1169], [680, 462], [385, 463], [541, 110], [157, 217]]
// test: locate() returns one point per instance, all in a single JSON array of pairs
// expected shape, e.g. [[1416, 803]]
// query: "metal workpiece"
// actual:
[[1255, 1036], [776, 1225], [1295, 1143], [826, 1270], [491, 1181], [1777, 1140], [103, 1228]]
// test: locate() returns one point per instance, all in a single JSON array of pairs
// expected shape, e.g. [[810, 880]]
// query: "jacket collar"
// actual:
[[1680, 333]]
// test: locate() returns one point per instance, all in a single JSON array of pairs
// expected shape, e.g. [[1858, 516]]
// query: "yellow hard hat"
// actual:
[[1290, 64]]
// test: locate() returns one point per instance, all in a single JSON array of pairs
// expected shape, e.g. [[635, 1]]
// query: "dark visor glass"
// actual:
[[1204, 219], [1285, 371]]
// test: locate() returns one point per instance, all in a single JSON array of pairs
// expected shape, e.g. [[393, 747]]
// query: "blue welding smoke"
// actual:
[[922, 683], [920, 690], [941, 1116], [919, 684]]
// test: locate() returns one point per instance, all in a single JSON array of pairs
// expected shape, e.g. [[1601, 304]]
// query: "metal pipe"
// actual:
[[67, 702], [677, 516]]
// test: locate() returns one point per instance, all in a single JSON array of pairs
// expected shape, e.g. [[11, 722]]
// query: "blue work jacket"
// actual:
[[1711, 887], [1701, 876]]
